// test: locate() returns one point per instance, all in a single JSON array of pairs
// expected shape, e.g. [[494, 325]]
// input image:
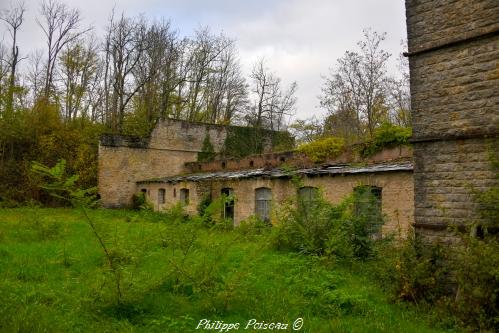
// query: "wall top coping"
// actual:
[[281, 173]]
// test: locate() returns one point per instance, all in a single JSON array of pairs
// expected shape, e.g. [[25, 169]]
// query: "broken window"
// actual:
[[228, 209], [263, 201], [161, 196], [184, 196], [367, 206]]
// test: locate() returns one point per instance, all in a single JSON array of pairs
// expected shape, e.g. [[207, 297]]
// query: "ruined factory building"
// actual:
[[166, 166]]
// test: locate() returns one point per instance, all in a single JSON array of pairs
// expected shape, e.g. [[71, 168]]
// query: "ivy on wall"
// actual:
[[207, 152], [244, 141]]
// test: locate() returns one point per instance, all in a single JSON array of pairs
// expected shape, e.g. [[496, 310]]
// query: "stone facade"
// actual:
[[397, 193], [124, 160], [165, 167], [454, 67]]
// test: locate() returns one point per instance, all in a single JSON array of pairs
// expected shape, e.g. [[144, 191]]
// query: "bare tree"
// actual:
[[205, 51], [4, 72], [14, 19], [270, 104], [158, 68], [306, 130], [61, 27], [125, 46], [355, 90], [399, 98], [35, 73]]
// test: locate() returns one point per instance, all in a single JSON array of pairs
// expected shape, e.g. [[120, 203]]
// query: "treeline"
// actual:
[[361, 96], [55, 102], [138, 71]]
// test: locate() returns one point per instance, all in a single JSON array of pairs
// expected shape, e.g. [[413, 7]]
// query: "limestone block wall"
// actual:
[[121, 167], [182, 135], [397, 194], [295, 159], [125, 160], [454, 67]]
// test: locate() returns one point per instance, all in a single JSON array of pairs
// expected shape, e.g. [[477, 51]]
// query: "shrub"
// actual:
[[387, 135], [461, 279], [322, 149], [320, 228], [476, 266], [413, 270], [140, 202], [176, 214], [252, 226]]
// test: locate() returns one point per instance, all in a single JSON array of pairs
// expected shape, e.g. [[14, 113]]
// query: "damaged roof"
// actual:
[[280, 173]]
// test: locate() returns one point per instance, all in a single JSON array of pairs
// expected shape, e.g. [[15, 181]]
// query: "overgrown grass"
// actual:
[[54, 278]]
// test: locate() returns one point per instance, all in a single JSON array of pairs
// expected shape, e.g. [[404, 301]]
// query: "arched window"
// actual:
[[308, 194], [228, 209], [263, 201], [161, 196], [308, 199], [184, 196], [367, 206]]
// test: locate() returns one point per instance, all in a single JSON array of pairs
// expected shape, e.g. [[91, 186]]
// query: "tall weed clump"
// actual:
[[476, 301], [317, 227], [460, 279]]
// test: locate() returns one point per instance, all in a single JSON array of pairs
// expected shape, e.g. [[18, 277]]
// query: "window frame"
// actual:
[[263, 203], [161, 196], [184, 196]]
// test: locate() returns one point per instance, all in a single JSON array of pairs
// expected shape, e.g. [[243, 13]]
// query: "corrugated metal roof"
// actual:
[[280, 173]]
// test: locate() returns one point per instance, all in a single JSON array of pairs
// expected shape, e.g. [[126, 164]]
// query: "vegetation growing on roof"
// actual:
[[322, 149], [387, 135]]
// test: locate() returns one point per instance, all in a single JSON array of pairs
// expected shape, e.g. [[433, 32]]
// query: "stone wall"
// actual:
[[397, 194], [298, 160], [124, 160], [454, 67]]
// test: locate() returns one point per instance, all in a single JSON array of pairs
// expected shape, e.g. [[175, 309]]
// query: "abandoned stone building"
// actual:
[[453, 50], [166, 168]]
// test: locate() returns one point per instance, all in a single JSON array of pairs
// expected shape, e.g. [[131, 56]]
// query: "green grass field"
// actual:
[[54, 277]]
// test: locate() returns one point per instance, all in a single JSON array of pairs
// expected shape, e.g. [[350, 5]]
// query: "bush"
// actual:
[[322, 149], [253, 226], [139, 201], [412, 270], [387, 135], [460, 279], [320, 228]]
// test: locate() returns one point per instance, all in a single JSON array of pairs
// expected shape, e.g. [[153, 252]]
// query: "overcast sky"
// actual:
[[300, 39]]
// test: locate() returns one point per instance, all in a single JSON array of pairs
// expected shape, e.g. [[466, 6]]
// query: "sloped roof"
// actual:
[[280, 173]]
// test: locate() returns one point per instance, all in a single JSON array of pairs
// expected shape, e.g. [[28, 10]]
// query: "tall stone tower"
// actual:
[[454, 65]]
